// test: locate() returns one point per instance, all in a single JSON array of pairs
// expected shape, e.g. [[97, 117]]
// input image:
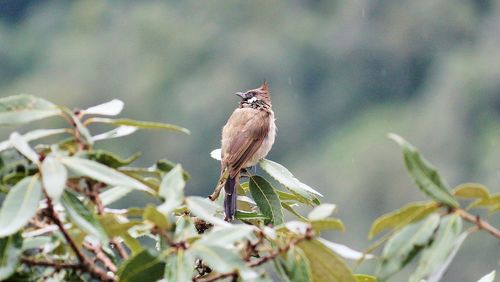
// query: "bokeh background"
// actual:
[[342, 75]]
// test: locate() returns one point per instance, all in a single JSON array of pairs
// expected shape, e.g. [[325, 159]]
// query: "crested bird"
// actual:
[[247, 138]]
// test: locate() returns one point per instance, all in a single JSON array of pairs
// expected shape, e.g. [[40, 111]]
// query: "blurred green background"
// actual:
[[342, 74]]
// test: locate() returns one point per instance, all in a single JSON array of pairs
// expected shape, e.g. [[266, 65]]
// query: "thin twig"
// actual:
[[480, 223], [54, 264], [86, 264], [100, 255]]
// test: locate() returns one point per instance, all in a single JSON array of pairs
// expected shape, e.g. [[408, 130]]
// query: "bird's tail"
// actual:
[[230, 199]]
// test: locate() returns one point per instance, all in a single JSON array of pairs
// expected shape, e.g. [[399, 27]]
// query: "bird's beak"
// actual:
[[241, 94]]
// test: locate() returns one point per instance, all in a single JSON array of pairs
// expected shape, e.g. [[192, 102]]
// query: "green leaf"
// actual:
[[289, 208], [144, 267], [227, 235], [399, 218], [54, 176], [82, 217], [166, 165], [284, 196], [179, 267], [23, 147], [325, 265], [322, 211], [221, 260], [34, 135], [172, 190], [120, 131], [293, 266], [20, 205], [205, 209], [403, 246], [285, 177], [365, 278], [443, 247], [184, 228], [424, 174], [471, 190], [10, 254], [25, 108], [266, 199], [103, 173], [327, 224], [115, 227], [345, 251], [490, 277], [439, 272], [114, 194], [156, 217], [110, 159], [492, 202], [141, 124], [80, 127], [111, 108], [247, 216]]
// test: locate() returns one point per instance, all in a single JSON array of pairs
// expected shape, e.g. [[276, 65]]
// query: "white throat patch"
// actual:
[[251, 100]]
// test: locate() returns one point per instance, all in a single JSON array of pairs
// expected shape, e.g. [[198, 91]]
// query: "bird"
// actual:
[[247, 138]]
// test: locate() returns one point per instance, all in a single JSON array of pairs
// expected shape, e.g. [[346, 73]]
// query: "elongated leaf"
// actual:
[[111, 108], [156, 217], [103, 173], [365, 278], [10, 253], [294, 266], [405, 245], [110, 159], [250, 216], [345, 251], [54, 176], [322, 211], [179, 267], [266, 199], [141, 124], [227, 236], [492, 202], [172, 190], [490, 277], [205, 209], [20, 205], [114, 227], [437, 274], [285, 177], [166, 166], [25, 108], [442, 247], [34, 135], [82, 217], [184, 228], [23, 147], [471, 190], [114, 194], [327, 224], [221, 260], [118, 132], [144, 267], [424, 174], [289, 208], [399, 218], [325, 265]]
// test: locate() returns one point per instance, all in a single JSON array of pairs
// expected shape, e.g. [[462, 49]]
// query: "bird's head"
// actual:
[[252, 95]]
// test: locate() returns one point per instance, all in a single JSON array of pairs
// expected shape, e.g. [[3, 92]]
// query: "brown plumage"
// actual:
[[247, 137]]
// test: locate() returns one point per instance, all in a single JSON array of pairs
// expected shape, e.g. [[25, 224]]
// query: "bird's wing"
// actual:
[[247, 129]]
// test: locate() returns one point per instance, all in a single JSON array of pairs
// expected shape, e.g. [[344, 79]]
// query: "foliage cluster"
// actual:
[[57, 220]]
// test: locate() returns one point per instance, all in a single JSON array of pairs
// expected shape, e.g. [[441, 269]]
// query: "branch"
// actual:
[[481, 224], [86, 264], [54, 264], [234, 274]]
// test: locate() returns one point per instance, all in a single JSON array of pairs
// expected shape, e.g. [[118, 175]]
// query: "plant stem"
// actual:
[[481, 224]]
